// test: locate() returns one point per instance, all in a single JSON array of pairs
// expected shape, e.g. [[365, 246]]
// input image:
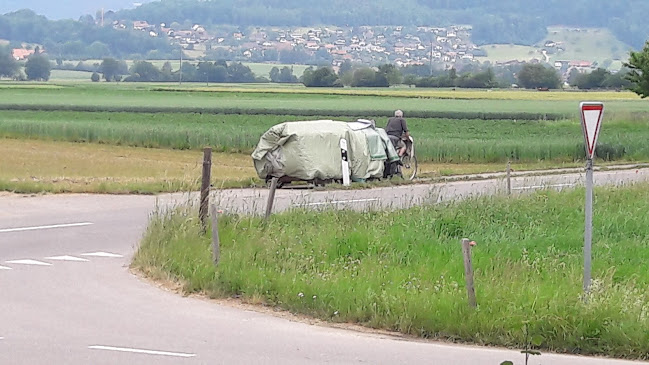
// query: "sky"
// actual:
[[62, 9]]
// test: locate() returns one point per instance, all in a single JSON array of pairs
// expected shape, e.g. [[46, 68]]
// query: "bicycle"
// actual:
[[409, 167]]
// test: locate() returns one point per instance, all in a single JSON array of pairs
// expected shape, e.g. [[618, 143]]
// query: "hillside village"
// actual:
[[445, 47], [439, 47]]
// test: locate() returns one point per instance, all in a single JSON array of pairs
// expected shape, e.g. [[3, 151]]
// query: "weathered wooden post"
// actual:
[[205, 187], [468, 271], [509, 178], [271, 197], [216, 242]]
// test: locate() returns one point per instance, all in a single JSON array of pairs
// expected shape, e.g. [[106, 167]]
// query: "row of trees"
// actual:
[[37, 67], [635, 76], [144, 71]]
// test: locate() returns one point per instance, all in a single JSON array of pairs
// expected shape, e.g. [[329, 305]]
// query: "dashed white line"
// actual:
[[28, 262], [342, 201], [66, 258], [141, 351], [22, 229], [543, 186], [4, 268], [101, 254]]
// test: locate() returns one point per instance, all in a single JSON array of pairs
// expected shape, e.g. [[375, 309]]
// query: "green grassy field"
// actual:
[[404, 272], [592, 44], [68, 75], [259, 69], [438, 140], [297, 101], [588, 44], [509, 52]]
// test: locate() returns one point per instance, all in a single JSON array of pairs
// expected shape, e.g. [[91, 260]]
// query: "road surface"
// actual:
[[67, 296]]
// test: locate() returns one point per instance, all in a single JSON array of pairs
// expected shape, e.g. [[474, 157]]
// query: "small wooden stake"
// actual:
[[271, 197], [205, 187], [216, 242], [509, 178], [468, 271]]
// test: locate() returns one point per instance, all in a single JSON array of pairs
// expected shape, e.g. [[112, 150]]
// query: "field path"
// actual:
[[69, 298]]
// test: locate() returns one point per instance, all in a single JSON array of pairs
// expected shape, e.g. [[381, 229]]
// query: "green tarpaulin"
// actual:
[[310, 150]]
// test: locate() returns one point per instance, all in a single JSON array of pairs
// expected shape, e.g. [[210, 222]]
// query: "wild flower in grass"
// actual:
[[315, 297], [300, 294]]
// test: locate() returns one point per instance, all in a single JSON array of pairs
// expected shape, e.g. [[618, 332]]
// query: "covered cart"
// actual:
[[311, 151]]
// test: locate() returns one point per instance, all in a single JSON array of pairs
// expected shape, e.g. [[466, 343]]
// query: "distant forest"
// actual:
[[494, 21]]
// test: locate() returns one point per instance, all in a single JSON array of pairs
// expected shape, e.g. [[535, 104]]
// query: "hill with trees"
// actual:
[[494, 21]]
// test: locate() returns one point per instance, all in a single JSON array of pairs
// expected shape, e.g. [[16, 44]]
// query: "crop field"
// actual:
[[404, 272], [300, 101], [32, 166], [438, 140]]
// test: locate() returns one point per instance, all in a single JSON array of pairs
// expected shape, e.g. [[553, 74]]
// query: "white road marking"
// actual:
[[542, 186], [22, 229], [140, 351], [66, 258], [101, 254], [29, 262], [4, 268], [341, 201]]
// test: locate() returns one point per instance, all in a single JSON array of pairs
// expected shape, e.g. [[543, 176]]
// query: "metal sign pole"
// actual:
[[591, 120], [588, 232]]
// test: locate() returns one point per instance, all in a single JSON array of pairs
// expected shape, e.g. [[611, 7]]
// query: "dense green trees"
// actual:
[[285, 75], [639, 71], [533, 76], [73, 40], [38, 68], [8, 66], [113, 69], [321, 77]]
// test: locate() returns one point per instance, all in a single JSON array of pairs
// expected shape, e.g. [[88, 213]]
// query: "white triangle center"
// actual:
[[591, 118]]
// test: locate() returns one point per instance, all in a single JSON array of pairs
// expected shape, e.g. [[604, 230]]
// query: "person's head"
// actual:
[[398, 114]]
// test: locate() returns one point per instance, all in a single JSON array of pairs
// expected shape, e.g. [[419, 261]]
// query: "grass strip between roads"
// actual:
[[403, 271]]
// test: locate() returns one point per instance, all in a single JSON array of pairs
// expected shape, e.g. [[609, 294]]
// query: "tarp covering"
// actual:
[[310, 150]]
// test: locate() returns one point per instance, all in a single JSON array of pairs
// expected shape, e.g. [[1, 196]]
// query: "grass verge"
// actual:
[[404, 272]]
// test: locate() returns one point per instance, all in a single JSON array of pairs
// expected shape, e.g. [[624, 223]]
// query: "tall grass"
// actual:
[[438, 140], [403, 271]]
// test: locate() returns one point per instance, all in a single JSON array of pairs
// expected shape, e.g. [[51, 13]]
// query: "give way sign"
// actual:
[[591, 120]]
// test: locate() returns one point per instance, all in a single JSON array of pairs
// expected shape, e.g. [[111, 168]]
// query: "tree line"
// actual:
[[81, 39], [635, 75]]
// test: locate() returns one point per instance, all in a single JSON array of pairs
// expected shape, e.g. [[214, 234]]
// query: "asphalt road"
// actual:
[[67, 297]]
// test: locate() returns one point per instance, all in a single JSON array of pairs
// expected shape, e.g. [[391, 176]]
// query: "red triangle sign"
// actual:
[[591, 120]]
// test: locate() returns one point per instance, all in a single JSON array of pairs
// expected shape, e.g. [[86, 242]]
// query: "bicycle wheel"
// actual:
[[409, 168]]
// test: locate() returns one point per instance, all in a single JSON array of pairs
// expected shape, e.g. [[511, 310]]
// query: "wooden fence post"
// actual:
[[216, 242], [509, 178], [271, 197], [205, 187], [468, 271]]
